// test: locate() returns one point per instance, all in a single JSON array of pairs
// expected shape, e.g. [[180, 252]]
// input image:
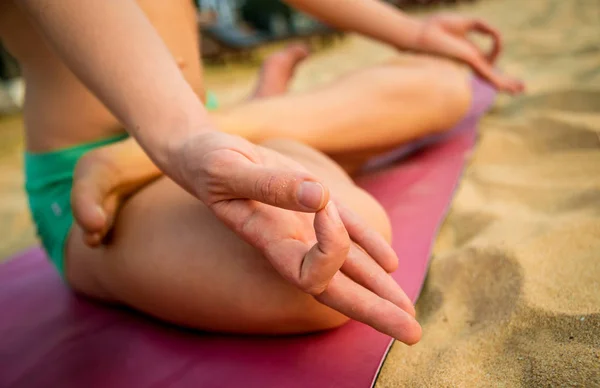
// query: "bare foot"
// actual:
[[278, 70], [102, 180]]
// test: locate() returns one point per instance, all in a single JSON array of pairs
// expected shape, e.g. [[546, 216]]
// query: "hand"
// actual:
[[331, 254], [447, 35]]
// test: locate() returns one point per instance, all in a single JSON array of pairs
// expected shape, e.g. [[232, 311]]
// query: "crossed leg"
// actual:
[[170, 257], [361, 114], [351, 120]]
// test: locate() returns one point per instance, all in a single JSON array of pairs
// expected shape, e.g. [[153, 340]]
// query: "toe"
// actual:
[[299, 51]]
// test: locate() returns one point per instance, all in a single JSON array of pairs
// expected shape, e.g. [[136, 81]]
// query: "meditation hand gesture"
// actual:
[[316, 244], [447, 35]]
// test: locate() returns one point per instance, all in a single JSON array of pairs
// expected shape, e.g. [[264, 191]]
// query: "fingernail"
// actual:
[[310, 195]]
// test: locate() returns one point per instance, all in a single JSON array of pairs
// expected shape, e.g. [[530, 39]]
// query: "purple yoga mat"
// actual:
[[51, 338]]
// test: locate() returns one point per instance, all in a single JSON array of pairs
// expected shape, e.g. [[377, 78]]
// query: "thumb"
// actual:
[[494, 34], [287, 189]]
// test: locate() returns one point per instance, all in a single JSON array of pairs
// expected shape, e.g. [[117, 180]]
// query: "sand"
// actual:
[[513, 295], [16, 228]]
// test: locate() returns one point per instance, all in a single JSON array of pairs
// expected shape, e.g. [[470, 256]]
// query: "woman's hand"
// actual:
[[447, 35], [312, 240]]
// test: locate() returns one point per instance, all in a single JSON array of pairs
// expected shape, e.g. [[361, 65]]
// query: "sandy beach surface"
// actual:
[[513, 294]]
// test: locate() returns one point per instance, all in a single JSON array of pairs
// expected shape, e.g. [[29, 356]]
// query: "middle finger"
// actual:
[[356, 302], [365, 271]]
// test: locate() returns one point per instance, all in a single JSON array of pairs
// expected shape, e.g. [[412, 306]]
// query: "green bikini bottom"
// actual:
[[48, 183]]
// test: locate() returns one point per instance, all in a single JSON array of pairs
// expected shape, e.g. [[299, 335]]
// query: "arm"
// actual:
[[445, 36], [115, 51], [372, 18]]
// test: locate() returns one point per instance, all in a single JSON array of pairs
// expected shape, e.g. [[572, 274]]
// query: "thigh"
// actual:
[[171, 258]]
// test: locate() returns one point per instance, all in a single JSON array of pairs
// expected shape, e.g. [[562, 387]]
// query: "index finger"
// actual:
[[326, 257], [364, 271], [497, 43]]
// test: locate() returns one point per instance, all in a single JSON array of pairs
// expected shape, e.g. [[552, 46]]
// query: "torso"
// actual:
[[59, 111]]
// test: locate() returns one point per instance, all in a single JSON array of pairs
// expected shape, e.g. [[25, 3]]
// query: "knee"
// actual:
[[445, 90], [310, 319], [372, 212], [442, 86], [313, 322], [284, 309], [453, 89]]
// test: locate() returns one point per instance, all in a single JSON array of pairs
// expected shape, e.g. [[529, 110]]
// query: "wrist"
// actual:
[[178, 151], [165, 139], [410, 37], [422, 37]]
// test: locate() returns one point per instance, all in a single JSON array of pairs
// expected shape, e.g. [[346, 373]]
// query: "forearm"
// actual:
[[373, 18], [117, 54]]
